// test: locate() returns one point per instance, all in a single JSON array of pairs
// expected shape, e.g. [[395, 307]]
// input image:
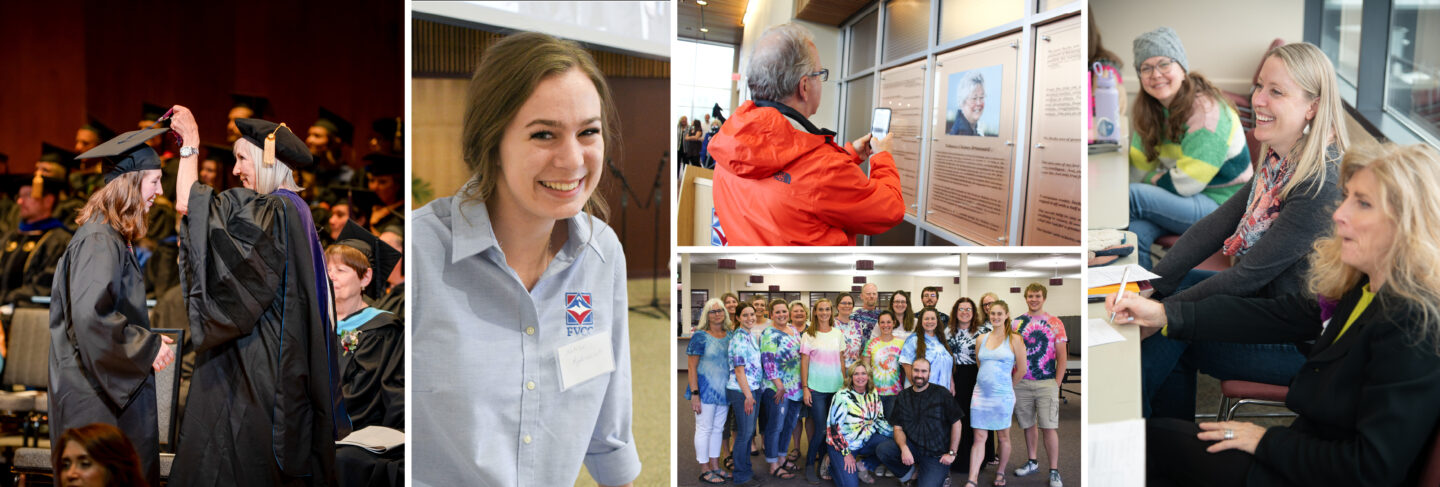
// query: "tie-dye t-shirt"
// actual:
[[856, 335], [962, 344], [780, 357], [745, 352], [714, 369], [854, 418], [1043, 334], [884, 356], [941, 364], [826, 350], [867, 319]]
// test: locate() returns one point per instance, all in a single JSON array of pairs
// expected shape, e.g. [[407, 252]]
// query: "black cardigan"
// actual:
[[1368, 405]]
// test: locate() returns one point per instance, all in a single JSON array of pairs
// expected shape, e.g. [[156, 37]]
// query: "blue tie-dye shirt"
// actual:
[[713, 371], [745, 352]]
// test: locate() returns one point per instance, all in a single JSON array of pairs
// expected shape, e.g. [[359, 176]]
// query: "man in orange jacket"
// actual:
[[779, 179]]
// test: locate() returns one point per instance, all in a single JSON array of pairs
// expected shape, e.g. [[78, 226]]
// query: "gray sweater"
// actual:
[[1276, 265]]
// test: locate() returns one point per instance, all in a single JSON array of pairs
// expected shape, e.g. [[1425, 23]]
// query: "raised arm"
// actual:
[[183, 123]]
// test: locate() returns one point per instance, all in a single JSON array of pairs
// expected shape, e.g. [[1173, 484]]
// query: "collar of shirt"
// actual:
[[473, 234]]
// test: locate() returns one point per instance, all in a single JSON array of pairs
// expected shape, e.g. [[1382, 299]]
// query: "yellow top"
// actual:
[[1366, 295]]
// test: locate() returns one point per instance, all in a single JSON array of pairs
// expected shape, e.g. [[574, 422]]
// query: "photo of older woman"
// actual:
[[969, 92]]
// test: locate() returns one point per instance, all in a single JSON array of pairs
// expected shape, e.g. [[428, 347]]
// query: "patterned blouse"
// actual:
[[854, 418], [884, 358], [962, 344], [745, 352], [780, 357]]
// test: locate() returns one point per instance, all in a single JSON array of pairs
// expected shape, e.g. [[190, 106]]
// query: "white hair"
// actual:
[[968, 83], [780, 60], [267, 178]]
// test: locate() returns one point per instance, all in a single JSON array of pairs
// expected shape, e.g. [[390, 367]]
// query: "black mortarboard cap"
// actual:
[[48, 185], [223, 153], [363, 199], [10, 184], [289, 148], [258, 104], [337, 126], [151, 112], [54, 153], [382, 256], [127, 152], [101, 131], [384, 164]]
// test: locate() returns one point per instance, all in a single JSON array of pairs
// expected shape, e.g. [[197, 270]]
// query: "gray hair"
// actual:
[[968, 84], [780, 60]]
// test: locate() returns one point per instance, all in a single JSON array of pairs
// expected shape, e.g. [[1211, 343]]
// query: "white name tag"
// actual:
[[585, 359]]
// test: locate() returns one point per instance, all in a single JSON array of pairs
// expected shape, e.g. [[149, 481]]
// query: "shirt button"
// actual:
[[530, 385], [529, 330], [526, 439]]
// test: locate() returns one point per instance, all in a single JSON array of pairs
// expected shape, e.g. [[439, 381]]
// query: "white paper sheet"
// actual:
[[1106, 276], [1117, 453], [1098, 332]]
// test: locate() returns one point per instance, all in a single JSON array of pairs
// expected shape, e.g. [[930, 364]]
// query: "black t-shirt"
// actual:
[[926, 418]]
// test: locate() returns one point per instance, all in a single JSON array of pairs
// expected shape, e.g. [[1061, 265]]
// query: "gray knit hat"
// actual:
[[1160, 42]]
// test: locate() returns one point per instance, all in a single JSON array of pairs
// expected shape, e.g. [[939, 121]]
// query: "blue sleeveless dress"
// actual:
[[994, 399]]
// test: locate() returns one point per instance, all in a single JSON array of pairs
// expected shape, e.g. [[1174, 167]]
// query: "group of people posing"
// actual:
[[881, 388]]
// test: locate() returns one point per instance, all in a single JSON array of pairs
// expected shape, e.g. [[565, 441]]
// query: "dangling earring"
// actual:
[[1307, 129]]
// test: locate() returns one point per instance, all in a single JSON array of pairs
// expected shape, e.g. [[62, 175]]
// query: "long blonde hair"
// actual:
[[118, 204], [268, 178], [1313, 72], [1411, 265]]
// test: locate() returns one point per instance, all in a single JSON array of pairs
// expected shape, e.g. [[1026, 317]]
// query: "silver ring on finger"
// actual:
[[1229, 434]]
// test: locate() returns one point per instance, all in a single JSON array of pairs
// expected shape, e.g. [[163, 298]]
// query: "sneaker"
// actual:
[[1055, 479], [810, 474], [1028, 468]]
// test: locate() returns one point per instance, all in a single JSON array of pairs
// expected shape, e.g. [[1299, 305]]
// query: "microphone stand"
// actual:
[[653, 308]]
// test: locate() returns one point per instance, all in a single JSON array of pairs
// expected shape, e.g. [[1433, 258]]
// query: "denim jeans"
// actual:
[[876, 450], [1168, 370], [781, 424], [929, 471], [1156, 212], [744, 433], [820, 416]]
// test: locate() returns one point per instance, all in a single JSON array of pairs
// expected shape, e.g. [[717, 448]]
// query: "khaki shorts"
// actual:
[[1037, 398]]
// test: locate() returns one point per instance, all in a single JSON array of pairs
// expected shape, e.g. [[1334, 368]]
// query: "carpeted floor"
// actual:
[[650, 344], [689, 471]]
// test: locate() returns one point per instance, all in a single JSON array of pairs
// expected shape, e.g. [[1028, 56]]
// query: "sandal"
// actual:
[[790, 466], [780, 472], [711, 477], [724, 475], [969, 483], [825, 468], [999, 479], [793, 457], [729, 462]]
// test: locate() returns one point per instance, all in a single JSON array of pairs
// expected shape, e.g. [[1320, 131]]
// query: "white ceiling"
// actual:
[[932, 265], [641, 28]]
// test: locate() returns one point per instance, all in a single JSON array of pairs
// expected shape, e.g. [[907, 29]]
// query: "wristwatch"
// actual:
[[951, 453], [189, 151]]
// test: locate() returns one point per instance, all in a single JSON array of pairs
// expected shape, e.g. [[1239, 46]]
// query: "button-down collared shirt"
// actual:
[[488, 406]]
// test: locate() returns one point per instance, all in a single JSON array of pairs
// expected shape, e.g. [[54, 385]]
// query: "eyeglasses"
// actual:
[[966, 310], [716, 311], [824, 74], [1162, 66]]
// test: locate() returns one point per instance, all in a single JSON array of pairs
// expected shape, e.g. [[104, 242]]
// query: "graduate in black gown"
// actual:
[[373, 361], [265, 406], [102, 353], [30, 252]]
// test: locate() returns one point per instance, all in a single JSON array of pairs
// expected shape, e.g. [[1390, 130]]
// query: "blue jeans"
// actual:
[[1168, 370], [820, 416], [876, 450], [1156, 212], [744, 434], [781, 425], [929, 471]]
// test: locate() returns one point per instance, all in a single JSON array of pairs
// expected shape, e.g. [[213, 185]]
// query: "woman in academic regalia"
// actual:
[[265, 405], [372, 340], [102, 352]]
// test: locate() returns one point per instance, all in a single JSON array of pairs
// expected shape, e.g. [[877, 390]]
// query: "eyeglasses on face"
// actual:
[[1162, 67], [824, 74]]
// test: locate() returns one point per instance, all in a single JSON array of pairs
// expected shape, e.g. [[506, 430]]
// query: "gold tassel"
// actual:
[[269, 158], [37, 185]]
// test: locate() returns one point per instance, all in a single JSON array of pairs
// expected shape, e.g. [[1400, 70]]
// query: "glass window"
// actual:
[[1340, 35], [960, 18], [1412, 80], [907, 25], [859, 100], [1047, 5], [862, 43], [697, 86]]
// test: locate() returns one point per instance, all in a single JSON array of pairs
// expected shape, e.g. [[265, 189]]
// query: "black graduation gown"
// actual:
[[393, 300], [101, 348], [262, 405], [162, 270], [27, 263], [374, 373]]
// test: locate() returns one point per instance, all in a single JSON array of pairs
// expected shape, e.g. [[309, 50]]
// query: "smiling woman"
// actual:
[[503, 394]]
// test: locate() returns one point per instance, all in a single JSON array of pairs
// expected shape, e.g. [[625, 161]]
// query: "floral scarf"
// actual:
[[1264, 204]]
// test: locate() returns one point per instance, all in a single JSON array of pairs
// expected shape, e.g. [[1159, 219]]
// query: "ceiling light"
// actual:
[[703, 29], [701, 3]]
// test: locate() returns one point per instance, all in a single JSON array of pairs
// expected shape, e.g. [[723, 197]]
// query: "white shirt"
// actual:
[[487, 402]]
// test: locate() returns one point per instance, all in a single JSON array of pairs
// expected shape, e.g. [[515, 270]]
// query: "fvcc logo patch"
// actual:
[[579, 319]]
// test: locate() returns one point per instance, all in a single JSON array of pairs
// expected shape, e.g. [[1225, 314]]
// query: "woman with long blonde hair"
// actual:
[[709, 371], [102, 353], [1266, 228], [1367, 393]]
